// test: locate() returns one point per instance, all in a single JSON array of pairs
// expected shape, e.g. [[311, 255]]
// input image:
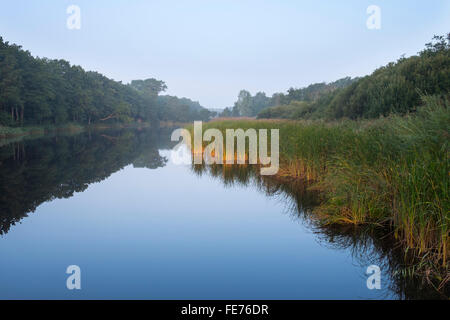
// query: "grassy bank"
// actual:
[[390, 172], [15, 132], [12, 132]]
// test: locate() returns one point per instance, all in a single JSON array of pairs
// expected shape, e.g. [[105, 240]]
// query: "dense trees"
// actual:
[[293, 110], [395, 88], [38, 91], [250, 106], [312, 92], [247, 105], [181, 109]]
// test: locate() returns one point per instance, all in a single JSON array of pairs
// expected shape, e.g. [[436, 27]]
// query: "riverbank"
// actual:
[[14, 132], [37, 131], [390, 172]]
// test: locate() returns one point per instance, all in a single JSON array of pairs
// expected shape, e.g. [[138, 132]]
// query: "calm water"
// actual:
[[141, 227]]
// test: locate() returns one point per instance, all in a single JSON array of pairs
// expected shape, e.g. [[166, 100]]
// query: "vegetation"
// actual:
[[249, 106], [390, 172], [368, 244], [395, 88], [9, 132], [388, 169], [77, 160], [181, 110], [293, 110], [39, 92]]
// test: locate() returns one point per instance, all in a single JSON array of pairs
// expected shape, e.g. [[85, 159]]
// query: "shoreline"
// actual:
[[7, 133]]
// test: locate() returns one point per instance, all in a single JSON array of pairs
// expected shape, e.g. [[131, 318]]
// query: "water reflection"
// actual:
[[368, 244], [36, 171], [40, 170]]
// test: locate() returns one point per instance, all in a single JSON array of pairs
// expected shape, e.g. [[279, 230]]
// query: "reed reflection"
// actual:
[[368, 244]]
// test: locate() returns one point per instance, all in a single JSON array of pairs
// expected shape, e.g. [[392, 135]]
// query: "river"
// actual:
[[141, 227]]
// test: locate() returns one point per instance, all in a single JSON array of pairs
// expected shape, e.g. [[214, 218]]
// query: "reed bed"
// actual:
[[390, 172]]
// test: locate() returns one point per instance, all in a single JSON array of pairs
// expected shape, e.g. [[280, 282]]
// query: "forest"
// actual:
[[396, 88], [250, 106], [41, 91]]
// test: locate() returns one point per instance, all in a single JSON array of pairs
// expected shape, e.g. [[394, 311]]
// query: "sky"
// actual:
[[209, 50]]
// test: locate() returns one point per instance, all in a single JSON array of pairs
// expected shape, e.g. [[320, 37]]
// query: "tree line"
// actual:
[[41, 91], [250, 106], [396, 88]]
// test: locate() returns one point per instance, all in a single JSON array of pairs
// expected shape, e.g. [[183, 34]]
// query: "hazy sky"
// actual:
[[209, 50]]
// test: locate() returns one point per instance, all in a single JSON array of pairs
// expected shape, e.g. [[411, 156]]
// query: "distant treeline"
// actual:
[[40, 91], [394, 88], [181, 109], [250, 106]]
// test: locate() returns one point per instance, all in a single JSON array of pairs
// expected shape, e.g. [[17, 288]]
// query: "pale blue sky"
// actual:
[[209, 50]]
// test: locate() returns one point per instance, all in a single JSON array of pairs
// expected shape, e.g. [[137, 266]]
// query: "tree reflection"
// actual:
[[40, 170]]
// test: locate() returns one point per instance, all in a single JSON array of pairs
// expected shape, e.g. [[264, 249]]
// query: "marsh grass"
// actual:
[[391, 172]]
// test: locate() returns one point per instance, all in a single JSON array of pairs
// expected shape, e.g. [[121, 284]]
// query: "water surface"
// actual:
[[141, 227]]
